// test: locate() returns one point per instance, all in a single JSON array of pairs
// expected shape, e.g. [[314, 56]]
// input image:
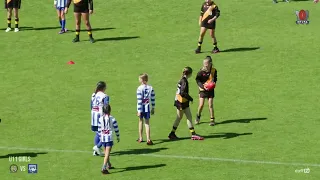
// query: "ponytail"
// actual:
[[186, 71]]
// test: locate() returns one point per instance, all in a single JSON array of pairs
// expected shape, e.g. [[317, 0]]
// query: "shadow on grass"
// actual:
[[214, 135], [240, 49], [117, 38], [135, 168], [138, 151]]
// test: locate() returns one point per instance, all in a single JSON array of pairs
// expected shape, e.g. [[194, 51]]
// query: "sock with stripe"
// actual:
[[90, 33], [9, 22], [173, 131], [16, 22], [192, 131]]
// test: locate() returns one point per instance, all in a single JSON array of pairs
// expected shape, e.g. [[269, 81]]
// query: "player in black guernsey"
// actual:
[[207, 20], [82, 8], [181, 102], [206, 74]]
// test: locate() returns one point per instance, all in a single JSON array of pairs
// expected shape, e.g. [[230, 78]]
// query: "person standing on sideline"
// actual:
[[82, 8], [15, 6]]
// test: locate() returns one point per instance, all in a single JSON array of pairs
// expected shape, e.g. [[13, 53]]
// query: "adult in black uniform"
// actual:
[[208, 16], [82, 8], [10, 5]]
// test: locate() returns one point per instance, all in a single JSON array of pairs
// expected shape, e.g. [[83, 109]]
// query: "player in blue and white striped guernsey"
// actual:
[[107, 125], [98, 99], [60, 5], [145, 95]]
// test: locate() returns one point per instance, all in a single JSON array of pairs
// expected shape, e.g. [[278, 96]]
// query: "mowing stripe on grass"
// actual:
[[172, 156]]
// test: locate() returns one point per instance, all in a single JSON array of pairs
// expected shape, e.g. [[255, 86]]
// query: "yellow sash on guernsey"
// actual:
[[76, 1], [181, 99], [213, 70], [8, 1], [208, 12]]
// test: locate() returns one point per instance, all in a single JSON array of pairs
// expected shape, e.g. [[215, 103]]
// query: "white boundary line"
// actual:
[[172, 156]]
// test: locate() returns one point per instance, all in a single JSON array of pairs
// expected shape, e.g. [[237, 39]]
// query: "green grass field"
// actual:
[[267, 97]]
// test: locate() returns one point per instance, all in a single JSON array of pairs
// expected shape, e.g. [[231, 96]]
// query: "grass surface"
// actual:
[[267, 97]]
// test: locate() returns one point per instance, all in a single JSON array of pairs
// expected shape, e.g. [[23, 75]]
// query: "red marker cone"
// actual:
[[71, 62]]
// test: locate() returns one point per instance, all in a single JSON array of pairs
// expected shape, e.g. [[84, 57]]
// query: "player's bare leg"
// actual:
[[140, 139], [172, 135], [194, 136], [63, 22], [106, 160], [85, 17], [147, 125], [59, 17], [211, 110], [16, 19], [200, 108], [77, 17], [214, 40], [203, 31], [9, 15]]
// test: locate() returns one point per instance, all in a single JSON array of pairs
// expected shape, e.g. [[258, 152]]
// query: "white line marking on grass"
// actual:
[[172, 156]]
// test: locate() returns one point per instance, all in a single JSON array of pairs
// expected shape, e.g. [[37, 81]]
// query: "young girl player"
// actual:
[[207, 74], [182, 101], [107, 125]]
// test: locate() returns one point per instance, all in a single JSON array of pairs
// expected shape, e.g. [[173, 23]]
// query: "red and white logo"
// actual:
[[302, 17]]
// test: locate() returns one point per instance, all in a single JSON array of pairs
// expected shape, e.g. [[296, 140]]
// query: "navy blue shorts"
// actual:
[[94, 128], [107, 144], [60, 8], [145, 115]]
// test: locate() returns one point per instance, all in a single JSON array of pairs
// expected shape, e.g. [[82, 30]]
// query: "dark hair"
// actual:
[[209, 58], [106, 109], [101, 85], [187, 71]]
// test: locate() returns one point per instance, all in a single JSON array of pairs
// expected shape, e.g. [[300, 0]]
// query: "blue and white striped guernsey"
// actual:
[[60, 3], [145, 94], [107, 124]]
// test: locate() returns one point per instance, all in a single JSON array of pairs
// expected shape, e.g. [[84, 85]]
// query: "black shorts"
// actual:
[[209, 26], [181, 106], [81, 8], [206, 94], [12, 4]]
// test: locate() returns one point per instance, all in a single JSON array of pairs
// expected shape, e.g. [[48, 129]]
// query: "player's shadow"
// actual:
[[246, 120], [117, 38], [134, 168], [31, 154], [93, 29], [240, 49], [214, 135], [38, 28], [138, 151]]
